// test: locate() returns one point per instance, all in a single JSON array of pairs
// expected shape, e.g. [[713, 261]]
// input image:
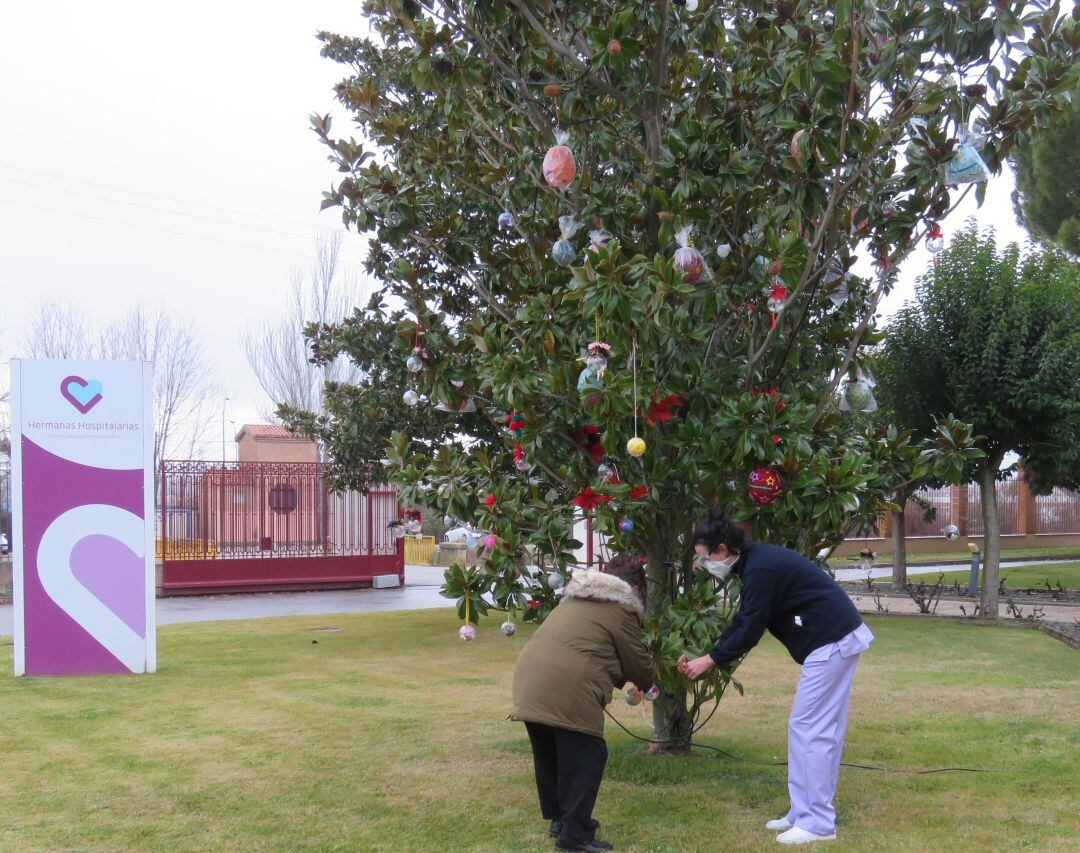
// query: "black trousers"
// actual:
[[569, 768]]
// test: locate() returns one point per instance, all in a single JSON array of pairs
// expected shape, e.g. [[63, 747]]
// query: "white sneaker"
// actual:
[[801, 836], [779, 825]]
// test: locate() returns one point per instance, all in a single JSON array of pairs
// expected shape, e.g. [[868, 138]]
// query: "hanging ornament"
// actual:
[[653, 694], [636, 447], [506, 220], [413, 527], [467, 633], [607, 471], [836, 280], [490, 542], [555, 581], [563, 252], [857, 396], [723, 250], [397, 529], [763, 486], [414, 364], [935, 241], [598, 237], [688, 260], [888, 210], [508, 628], [559, 166], [966, 166], [515, 423], [633, 696], [951, 531], [777, 299], [520, 462], [411, 398], [626, 526]]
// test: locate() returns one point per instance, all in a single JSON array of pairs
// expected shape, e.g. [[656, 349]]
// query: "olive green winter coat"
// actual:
[[588, 646]]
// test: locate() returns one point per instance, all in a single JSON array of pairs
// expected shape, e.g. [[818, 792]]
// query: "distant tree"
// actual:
[[57, 328], [186, 396], [993, 337], [1047, 195], [276, 350]]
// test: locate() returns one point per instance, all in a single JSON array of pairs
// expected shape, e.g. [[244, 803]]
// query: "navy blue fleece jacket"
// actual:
[[795, 600]]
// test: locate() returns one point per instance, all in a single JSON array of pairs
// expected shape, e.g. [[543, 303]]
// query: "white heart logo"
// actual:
[[59, 581]]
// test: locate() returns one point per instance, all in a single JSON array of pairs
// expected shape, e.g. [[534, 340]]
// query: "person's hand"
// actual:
[[683, 661], [694, 669]]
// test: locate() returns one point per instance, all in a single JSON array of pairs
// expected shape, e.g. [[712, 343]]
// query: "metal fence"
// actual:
[[1008, 507], [5, 506], [929, 512], [1058, 512], [242, 525]]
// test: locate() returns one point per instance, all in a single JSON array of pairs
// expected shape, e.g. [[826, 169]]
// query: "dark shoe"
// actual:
[[588, 847], [555, 828]]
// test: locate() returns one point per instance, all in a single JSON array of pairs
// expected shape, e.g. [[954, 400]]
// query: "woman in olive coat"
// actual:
[[589, 646]]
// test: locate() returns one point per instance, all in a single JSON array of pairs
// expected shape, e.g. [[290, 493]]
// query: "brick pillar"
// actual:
[[958, 505], [1026, 516]]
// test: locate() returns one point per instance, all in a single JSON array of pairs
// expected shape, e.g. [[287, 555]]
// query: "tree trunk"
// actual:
[[671, 724], [988, 601], [899, 551], [671, 720]]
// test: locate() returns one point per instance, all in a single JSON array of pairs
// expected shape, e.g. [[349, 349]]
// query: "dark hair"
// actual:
[[718, 529], [629, 569]]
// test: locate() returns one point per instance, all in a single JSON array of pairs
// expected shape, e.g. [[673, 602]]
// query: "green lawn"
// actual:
[[390, 734], [884, 558], [1022, 577]]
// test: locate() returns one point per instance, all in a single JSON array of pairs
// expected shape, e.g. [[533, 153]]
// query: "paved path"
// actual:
[[857, 574]]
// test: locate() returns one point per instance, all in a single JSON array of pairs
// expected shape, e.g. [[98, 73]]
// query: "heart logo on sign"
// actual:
[[81, 393], [103, 547]]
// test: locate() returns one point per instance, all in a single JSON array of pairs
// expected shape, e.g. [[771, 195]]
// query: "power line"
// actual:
[[167, 231], [159, 197], [162, 209]]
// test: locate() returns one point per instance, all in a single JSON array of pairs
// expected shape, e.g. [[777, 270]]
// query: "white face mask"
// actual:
[[719, 569]]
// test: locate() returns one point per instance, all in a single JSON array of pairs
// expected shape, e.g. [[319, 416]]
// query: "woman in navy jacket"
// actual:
[[804, 609]]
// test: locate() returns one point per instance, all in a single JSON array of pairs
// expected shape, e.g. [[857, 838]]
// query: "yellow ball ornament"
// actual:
[[636, 447]]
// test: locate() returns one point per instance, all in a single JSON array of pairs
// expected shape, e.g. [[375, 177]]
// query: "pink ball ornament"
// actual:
[[490, 541], [653, 694], [633, 696], [467, 633]]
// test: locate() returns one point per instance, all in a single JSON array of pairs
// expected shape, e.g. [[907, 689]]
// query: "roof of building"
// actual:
[[268, 431]]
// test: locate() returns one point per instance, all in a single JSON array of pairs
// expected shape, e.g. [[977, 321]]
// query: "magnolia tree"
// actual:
[[599, 221]]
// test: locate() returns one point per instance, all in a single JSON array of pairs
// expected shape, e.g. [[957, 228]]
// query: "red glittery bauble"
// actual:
[[763, 486]]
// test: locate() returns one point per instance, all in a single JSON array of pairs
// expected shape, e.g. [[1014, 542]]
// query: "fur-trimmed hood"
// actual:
[[597, 586]]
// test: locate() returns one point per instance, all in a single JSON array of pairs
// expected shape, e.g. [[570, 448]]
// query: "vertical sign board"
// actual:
[[82, 454]]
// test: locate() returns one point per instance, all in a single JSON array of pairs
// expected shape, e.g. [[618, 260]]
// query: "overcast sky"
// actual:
[[196, 106]]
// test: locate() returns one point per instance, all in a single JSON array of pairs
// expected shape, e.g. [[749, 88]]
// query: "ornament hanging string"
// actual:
[[633, 368]]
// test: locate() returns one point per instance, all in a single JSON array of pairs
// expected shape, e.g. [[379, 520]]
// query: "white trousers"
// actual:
[[816, 740]]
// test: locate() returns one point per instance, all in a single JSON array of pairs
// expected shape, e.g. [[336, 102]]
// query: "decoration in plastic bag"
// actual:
[[506, 220], [606, 471], [857, 396], [559, 166], [411, 398], [563, 251], [935, 241], [763, 486], [966, 166], [596, 357], [723, 250], [633, 696], [397, 529], [951, 531], [555, 580], [467, 633], [688, 260], [836, 280], [520, 462], [653, 694], [599, 236], [508, 628]]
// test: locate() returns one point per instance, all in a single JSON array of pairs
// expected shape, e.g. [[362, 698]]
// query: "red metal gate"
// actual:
[[244, 526]]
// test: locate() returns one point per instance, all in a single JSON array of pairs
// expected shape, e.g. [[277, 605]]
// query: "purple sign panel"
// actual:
[[82, 455]]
